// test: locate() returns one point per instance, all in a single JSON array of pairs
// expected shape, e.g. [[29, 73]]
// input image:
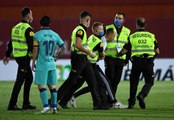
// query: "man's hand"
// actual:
[[6, 60], [92, 55], [58, 52], [102, 55], [122, 52], [33, 66]]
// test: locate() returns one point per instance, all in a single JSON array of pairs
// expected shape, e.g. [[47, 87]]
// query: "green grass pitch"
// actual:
[[159, 105]]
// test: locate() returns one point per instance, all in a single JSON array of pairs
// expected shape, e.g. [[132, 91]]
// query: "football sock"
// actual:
[[44, 96], [54, 97]]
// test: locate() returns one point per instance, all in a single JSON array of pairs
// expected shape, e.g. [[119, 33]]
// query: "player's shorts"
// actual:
[[44, 77]]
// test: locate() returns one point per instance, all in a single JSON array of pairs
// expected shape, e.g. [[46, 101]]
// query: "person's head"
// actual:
[[140, 23], [45, 21], [85, 18], [98, 29], [119, 19], [110, 35], [26, 14]]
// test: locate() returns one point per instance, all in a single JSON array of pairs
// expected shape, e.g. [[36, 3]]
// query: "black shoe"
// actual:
[[63, 106], [110, 105], [15, 107], [100, 108], [130, 107], [141, 101], [107, 107], [28, 107]]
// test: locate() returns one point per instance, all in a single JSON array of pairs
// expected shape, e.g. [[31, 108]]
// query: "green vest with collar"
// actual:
[[118, 40], [92, 42], [19, 44], [73, 39], [142, 42]]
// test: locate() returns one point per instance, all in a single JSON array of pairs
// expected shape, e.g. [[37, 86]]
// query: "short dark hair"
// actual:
[[45, 21], [140, 21], [119, 13], [96, 24], [109, 31], [84, 14], [25, 11]]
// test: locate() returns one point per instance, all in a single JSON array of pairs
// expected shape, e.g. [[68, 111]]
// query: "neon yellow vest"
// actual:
[[20, 47], [111, 49], [73, 38], [118, 40], [142, 43], [92, 42]]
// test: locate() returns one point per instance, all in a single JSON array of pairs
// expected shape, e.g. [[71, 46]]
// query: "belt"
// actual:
[[143, 56], [78, 52], [109, 57]]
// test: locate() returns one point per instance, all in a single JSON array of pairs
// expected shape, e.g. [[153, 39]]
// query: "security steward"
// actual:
[[80, 64], [22, 45], [144, 48], [95, 45], [114, 64]]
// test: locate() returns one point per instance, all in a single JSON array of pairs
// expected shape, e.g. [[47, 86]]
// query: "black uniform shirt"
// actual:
[[118, 30]]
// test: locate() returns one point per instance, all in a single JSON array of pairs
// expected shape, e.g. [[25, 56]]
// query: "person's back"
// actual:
[[144, 48], [48, 40], [142, 42], [45, 41]]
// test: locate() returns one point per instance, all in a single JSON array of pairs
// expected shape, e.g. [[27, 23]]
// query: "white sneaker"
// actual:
[[44, 111], [72, 102], [119, 105], [54, 110]]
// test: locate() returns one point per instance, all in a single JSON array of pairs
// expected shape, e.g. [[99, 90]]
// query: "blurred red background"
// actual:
[[159, 15]]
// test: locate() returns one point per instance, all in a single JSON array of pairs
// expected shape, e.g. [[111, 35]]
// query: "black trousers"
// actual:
[[24, 76], [81, 91], [100, 83], [80, 66], [64, 100], [103, 86], [144, 66], [113, 71]]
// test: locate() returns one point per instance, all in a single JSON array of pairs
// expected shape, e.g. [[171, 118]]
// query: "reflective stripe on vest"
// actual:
[[20, 41], [93, 60], [73, 39], [142, 42], [20, 47], [120, 40], [149, 50], [92, 42], [111, 49]]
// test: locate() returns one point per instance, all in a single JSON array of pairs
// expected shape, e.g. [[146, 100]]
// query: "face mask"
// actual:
[[117, 22], [31, 20], [88, 25], [101, 34]]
